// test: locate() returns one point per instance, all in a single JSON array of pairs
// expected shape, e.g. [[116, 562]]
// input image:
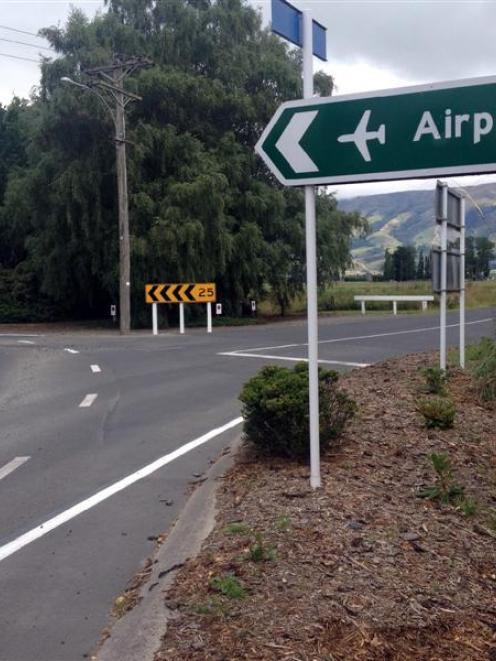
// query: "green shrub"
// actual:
[[445, 490], [259, 551], [437, 411], [435, 380], [485, 370], [237, 528], [474, 353], [276, 410], [468, 506], [229, 586], [283, 523]]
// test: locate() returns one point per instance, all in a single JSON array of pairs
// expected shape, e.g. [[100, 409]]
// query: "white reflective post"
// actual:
[[444, 265], [311, 254], [462, 282], [154, 319], [181, 318], [363, 307], [209, 317], [395, 307]]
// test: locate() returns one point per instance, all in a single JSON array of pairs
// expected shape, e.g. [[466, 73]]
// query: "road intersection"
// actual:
[[86, 489]]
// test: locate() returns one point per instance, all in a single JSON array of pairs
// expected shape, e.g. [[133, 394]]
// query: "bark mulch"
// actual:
[[363, 568]]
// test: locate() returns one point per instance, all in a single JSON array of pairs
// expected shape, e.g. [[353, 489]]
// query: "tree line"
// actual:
[[203, 207], [408, 263]]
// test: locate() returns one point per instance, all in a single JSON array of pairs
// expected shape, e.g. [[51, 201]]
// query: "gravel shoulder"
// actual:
[[363, 568]]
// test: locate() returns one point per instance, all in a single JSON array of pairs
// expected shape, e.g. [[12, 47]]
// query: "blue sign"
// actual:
[[287, 22]]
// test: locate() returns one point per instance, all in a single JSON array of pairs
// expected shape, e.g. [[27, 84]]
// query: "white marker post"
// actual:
[[181, 318], [209, 317], [154, 319], [311, 254], [461, 208], [443, 191]]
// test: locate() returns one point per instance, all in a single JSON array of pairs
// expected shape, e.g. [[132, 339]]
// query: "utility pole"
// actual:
[[121, 168], [107, 82]]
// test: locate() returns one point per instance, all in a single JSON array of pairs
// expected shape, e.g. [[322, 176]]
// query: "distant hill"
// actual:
[[407, 218]]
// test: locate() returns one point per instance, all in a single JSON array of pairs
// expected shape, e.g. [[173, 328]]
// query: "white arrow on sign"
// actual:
[[289, 142]]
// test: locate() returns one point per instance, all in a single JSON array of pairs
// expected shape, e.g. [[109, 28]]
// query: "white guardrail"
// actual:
[[424, 300]]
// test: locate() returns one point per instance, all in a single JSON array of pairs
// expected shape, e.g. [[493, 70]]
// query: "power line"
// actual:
[[24, 43], [18, 57], [31, 34]]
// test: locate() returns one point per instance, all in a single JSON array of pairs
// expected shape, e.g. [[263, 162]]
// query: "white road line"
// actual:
[[365, 337], [23, 540], [95, 368], [88, 400], [25, 342], [71, 350], [243, 354], [20, 335], [11, 466]]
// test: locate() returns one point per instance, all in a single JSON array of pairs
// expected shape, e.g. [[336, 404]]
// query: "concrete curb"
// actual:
[[137, 635]]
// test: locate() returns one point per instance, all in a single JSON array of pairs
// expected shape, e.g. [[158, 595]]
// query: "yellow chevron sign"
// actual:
[[186, 292]]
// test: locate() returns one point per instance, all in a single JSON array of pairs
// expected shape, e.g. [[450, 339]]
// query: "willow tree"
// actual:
[[202, 205]]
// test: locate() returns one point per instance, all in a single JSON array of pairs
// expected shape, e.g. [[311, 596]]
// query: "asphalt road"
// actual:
[[68, 548]]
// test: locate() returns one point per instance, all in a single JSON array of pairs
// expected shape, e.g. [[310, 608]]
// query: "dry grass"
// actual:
[[340, 296]]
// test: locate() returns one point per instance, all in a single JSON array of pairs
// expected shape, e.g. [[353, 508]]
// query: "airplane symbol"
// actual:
[[361, 136]]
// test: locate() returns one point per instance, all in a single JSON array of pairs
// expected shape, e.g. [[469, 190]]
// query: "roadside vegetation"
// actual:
[[392, 558], [202, 206], [481, 360], [276, 410], [339, 296]]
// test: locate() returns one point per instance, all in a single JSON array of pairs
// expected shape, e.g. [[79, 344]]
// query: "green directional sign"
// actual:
[[406, 133]]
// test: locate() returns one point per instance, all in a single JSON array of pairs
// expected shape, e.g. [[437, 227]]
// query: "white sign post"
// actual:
[[461, 210], [154, 319], [443, 217], [181, 318], [311, 254], [209, 317]]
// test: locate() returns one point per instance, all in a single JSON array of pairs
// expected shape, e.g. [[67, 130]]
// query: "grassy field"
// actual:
[[339, 297]]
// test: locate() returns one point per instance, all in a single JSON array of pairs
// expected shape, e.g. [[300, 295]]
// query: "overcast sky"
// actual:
[[372, 44]]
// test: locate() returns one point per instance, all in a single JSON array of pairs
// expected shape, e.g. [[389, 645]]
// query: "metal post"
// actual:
[[395, 307], [363, 307], [444, 264], [154, 319], [209, 317], [181, 318], [124, 251], [462, 282], [311, 255]]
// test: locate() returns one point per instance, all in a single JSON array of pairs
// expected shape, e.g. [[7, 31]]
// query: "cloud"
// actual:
[[20, 76], [418, 40]]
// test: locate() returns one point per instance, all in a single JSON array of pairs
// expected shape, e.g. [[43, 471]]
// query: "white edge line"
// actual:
[[25, 342], [12, 465], [358, 337], [95, 368], [20, 335], [290, 358], [23, 540], [88, 400]]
